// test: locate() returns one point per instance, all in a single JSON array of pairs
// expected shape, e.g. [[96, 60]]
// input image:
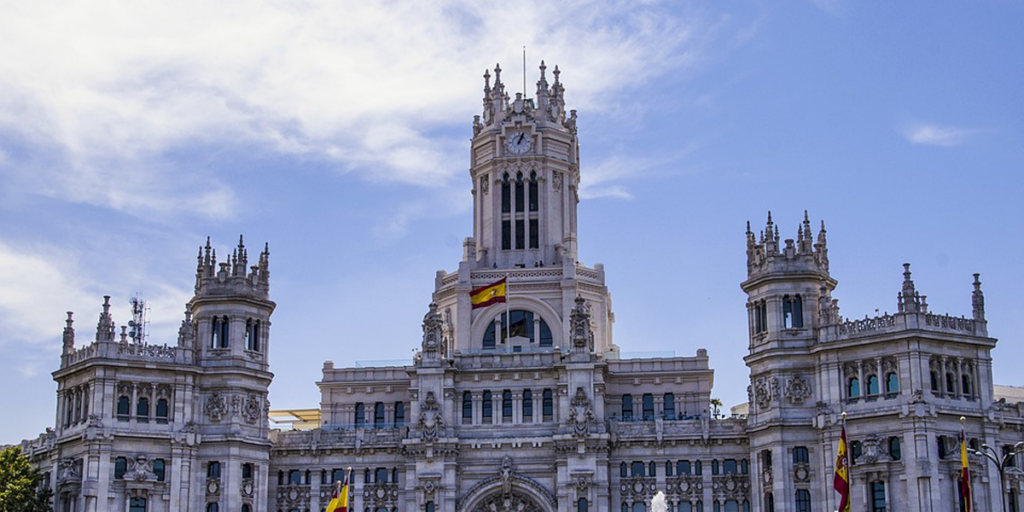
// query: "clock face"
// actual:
[[518, 143]]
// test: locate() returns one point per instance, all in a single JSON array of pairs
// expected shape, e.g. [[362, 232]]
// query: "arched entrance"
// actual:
[[513, 502]]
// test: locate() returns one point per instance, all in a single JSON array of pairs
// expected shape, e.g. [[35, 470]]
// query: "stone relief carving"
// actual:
[[872, 451], [431, 421], [798, 389], [734, 487], [505, 473], [216, 407], [141, 469], [68, 471], [556, 180], [253, 409], [581, 414]]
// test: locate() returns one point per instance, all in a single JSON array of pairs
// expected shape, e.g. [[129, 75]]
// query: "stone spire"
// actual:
[[233, 276], [105, 326], [186, 333], [765, 254], [909, 300], [69, 335], [978, 300]]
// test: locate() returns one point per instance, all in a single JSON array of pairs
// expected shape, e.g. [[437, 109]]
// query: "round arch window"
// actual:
[[518, 323]]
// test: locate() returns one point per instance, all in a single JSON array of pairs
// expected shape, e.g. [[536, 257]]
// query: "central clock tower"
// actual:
[[524, 162]]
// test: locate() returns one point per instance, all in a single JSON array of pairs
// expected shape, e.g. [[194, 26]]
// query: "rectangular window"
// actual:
[[506, 196], [381, 475], [877, 497], [534, 234], [800, 455], [506, 235], [506, 404], [648, 403], [159, 469], [520, 234], [683, 467], [548, 404], [670, 406], [488, 406], [533, 195], [520, 196], [378, 415], [360, 415], [213, 470], [399, 414], [528, 404], [803, 500], [467, 406], [120, 467], [295, 477], [627, 407], [638, 469], [730, 467]]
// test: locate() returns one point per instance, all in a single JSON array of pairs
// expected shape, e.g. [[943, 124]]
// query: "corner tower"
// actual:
[[524, 161]]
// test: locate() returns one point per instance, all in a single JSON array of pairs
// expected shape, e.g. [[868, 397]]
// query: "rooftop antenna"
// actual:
[[138, 322], [524, 71]]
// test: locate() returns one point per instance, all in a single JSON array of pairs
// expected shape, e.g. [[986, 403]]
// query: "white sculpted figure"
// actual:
[[658, 503]]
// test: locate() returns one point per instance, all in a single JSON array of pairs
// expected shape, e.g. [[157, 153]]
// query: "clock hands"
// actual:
[[521, 135]]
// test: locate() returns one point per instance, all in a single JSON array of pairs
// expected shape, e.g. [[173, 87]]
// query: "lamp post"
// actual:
[[1001, 462]]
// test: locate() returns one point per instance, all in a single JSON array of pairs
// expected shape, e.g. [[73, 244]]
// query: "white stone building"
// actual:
[[527, 405]]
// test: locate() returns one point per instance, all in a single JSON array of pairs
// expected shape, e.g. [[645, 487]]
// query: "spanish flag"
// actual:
[[487, 295], [339, 501], [841, 481], [965, 474]]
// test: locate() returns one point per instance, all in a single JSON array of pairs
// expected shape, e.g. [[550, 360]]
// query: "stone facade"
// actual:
[[527, 405]]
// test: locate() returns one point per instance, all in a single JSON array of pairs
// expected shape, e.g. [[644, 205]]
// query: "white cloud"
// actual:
[[602, 179], [49, 282], [102, 92], [935, 135]]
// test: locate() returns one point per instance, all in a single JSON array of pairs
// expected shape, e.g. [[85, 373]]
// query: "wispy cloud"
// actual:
[[604, 179], [108, 92], [936, 135]]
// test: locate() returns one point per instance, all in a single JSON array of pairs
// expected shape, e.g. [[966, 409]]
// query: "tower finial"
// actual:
[[497, 75], [978, 299], [487, 80], [556, 72], [542, 69]]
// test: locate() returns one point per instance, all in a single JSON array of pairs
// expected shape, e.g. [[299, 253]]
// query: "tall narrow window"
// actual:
[[548, 405], [124, 405], [892, 383], [162, 411], [787, 312], [506, 195], [668, 468], [803, 500], [856, 450], [582, 505], [467, 406], [872, 385], [399, 414], [965, 386], [623, 470], [506, 405], [488, 404], [798, 311], [534, 234], [895, 451], [950, 383], [212, 507], [670, 406], [627, 407], [378, 415], [506, 235], [247, 470], [520, 196], [520, 234], [546, 340], [935, 381], [877, 497], [528, 404], [769, 502], [252, 335], [120, 467], [360, 419], [160, 469], [801, 455], [854, 388], [142, 411], [224, 332], [533, 192], [714, 467], [430, 507], [648, 406], [213, 470], [215, 333], [652, 469]]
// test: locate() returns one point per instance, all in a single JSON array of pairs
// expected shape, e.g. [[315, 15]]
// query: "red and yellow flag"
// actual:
[[841, 481], [965, 474], [487, 295], [339, 501]]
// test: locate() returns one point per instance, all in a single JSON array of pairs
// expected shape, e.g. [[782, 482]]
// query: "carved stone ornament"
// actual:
[[508, 503], [762, 393], [731, 486], [484, 185], [872, 449], [141, 469], [431, 421], [798, 389], [581, 414], [506, 474], [216, 407], [67, 471], [556, 180], [293, 496], [252, 411], [579, 326]]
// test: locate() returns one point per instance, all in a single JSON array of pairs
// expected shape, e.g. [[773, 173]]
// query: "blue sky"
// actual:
[[338, 133]]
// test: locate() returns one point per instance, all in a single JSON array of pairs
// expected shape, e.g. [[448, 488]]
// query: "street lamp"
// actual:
[[1001, 462]]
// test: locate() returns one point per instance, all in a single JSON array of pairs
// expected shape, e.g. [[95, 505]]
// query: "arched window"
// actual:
[[430, 507], [546, 340], [872, 384], [212, 507], [378, 415], [506, 404], [528, 404], [935, 381], [522, 325], [399, 414], [548, 405], [137, 505], [280, 478], [652, 469], [488, 406], [965, 384], [582, 505], [506, 195], [520, 196], [252, 335], [627, 407], [360, 415], [623, 470], [467, 406], [714, 467], [744, 467], [142, 411], [162, 410], [124, 405], [853, 389], [950, 383], [648, 406], [670, 406], [159, 469], [533, 192], [246, 470], [698, 468], [895, 451], [892, 383], [668, 468], [120, 467]]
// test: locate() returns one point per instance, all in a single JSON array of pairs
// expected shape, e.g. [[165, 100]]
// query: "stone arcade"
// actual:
[[534, 410]]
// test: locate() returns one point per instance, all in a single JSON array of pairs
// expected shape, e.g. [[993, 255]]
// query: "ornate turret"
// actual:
[[105, 325], [765, 255], [908, 299], [233, 277], [548, 107]]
